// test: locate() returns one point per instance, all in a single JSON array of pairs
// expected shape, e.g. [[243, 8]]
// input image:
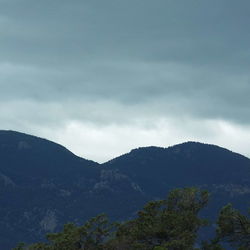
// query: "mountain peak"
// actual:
[[46, 182]]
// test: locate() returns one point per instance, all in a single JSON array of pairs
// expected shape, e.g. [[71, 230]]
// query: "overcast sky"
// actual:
[[103, 77]]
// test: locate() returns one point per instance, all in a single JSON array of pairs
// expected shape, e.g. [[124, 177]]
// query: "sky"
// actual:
[[104, 77]]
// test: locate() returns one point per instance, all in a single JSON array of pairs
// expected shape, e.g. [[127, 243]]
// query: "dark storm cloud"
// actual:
[[106, 60], [193, 30]]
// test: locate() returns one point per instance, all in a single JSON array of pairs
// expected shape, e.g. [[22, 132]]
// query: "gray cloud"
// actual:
[[79, 31], [123, 62], [163, 89]]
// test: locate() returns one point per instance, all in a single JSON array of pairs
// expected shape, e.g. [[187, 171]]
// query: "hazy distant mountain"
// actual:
[[43, 185]]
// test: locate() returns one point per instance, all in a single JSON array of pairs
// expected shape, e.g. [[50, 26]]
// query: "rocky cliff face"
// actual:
[[43, 185]]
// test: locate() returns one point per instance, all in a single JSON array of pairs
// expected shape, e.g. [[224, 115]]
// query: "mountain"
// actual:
[[43, 185], [154, 169]]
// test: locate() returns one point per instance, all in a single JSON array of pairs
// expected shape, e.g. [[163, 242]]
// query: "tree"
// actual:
[[91, 236], [234, 227], [167, 224], [214, 244]]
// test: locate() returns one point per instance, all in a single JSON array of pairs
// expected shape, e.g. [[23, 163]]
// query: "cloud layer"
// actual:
[[90, 73]]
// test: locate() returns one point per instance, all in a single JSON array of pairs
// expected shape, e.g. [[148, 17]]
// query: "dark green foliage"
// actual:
[[19, 246], [172, 223], [92, 236], [165, 224], [212, 245], [234, 227]]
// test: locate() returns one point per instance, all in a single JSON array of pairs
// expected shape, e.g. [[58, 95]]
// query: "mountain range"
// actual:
[[43, 185]]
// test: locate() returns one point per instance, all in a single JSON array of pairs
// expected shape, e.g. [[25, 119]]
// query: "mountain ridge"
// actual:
[[43, 185], [17, 133]]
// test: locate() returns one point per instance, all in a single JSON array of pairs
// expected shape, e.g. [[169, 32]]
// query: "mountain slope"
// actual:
[[37, 178], [186, 164], [156, 171], [43, 185]]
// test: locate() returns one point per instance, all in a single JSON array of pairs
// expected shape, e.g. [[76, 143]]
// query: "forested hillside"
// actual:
[[43, 185]]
